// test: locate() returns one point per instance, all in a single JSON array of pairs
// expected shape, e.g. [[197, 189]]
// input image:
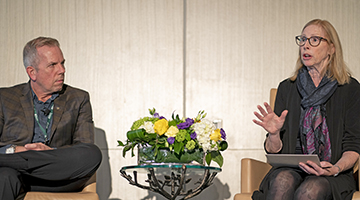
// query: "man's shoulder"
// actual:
[[14, 90], [73, 91]]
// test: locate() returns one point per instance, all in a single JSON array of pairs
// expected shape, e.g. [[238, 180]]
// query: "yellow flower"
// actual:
[[172, 131], [161, 126], [216, 135]]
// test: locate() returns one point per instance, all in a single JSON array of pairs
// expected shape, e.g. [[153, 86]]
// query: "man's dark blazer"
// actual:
[[72, 118]]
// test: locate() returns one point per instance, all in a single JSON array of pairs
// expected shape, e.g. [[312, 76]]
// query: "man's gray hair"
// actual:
[[30, 54]]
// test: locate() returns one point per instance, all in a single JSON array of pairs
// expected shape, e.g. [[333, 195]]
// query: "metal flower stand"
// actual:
[[172, 180]]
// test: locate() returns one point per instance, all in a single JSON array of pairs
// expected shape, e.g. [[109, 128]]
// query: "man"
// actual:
[[46, 128]]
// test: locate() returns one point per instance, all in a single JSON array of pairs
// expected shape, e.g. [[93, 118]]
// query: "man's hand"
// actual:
[[32, 146]]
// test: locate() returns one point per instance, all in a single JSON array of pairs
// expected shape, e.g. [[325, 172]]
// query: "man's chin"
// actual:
[[58, 88]]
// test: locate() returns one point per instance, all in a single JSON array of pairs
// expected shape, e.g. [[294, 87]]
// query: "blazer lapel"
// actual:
[[59, 105], [28, 107]]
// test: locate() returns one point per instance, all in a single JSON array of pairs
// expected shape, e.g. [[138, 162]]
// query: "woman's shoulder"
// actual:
[[353, 81], [286, 84], [352, 85], [349, 90]]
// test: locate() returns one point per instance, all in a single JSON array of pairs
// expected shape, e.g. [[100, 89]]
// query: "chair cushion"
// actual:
[[61, 196], [242, 196], [88, 193]]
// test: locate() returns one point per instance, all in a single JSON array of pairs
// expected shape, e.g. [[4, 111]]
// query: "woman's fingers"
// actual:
[[262, 111], [283, 115], [260, 117], [268, 108]]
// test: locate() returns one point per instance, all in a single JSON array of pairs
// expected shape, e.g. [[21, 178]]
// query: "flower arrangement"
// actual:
[[183, 137]]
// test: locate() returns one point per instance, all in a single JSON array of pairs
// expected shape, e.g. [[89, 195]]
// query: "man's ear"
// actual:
[[31, 71]]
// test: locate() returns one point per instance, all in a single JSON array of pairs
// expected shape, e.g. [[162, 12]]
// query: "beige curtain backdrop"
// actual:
[[221, 56]]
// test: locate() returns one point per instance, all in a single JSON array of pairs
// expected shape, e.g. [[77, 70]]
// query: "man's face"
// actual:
[[49, 74]]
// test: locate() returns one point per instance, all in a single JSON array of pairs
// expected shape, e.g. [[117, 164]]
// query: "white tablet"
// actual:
[[291, 160]]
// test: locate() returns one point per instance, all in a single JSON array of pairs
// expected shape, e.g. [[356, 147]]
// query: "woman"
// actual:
[[317, 111]]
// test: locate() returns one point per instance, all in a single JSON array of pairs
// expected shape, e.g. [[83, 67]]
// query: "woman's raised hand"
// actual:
[[269, 120]]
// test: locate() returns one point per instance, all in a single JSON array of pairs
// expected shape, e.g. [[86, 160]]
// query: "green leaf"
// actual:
[[132, 149], [162, 140], [204, 115], [164, 155], [178, 147], [120, 143], [196, 155], [217, 157], [160, 145], [152, 143], [208, 158], [223, 145], [172, 123], [149, 137], [152, 111], [187, 136], [156, 151], [126, 148], [136, 134]]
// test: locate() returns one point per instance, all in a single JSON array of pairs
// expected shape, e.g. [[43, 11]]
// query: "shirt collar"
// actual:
[[35, 98]]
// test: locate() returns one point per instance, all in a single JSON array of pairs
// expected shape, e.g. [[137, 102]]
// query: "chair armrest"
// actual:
[[90, 185], [90, 188], [88, 193], [252, 173]]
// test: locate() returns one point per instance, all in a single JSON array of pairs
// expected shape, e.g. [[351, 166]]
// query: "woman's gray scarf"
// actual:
[[314, 133]]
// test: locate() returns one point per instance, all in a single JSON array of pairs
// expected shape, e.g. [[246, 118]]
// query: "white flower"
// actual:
[[148, 126], [203, 130]]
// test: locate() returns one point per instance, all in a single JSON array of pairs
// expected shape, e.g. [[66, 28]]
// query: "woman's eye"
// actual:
[[315, 39]]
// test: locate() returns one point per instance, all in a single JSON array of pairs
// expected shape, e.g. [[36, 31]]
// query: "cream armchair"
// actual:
[[88, 193], [253, 171]]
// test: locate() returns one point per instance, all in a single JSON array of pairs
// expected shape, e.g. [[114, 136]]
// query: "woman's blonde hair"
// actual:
[[336, 69]]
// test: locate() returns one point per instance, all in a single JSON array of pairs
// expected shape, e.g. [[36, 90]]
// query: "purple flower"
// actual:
[[188, 122], [223, 134], [171, 140], [156, 115], [193, 135]]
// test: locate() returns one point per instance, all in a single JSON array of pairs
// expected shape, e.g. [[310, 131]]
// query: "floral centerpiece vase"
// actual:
[[186, 140]]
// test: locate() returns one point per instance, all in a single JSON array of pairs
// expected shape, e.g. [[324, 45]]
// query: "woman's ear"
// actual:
[[332, 49], [31, 71]]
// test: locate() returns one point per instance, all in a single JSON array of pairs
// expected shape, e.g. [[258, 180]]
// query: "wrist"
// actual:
[[273, 145], [11, 149], [274, 138], [339, 170]]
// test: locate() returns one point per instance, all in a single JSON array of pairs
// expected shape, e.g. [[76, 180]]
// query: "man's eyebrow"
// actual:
[[54, 63]]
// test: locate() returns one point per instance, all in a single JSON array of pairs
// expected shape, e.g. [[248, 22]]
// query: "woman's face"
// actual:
[[317, 57]]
